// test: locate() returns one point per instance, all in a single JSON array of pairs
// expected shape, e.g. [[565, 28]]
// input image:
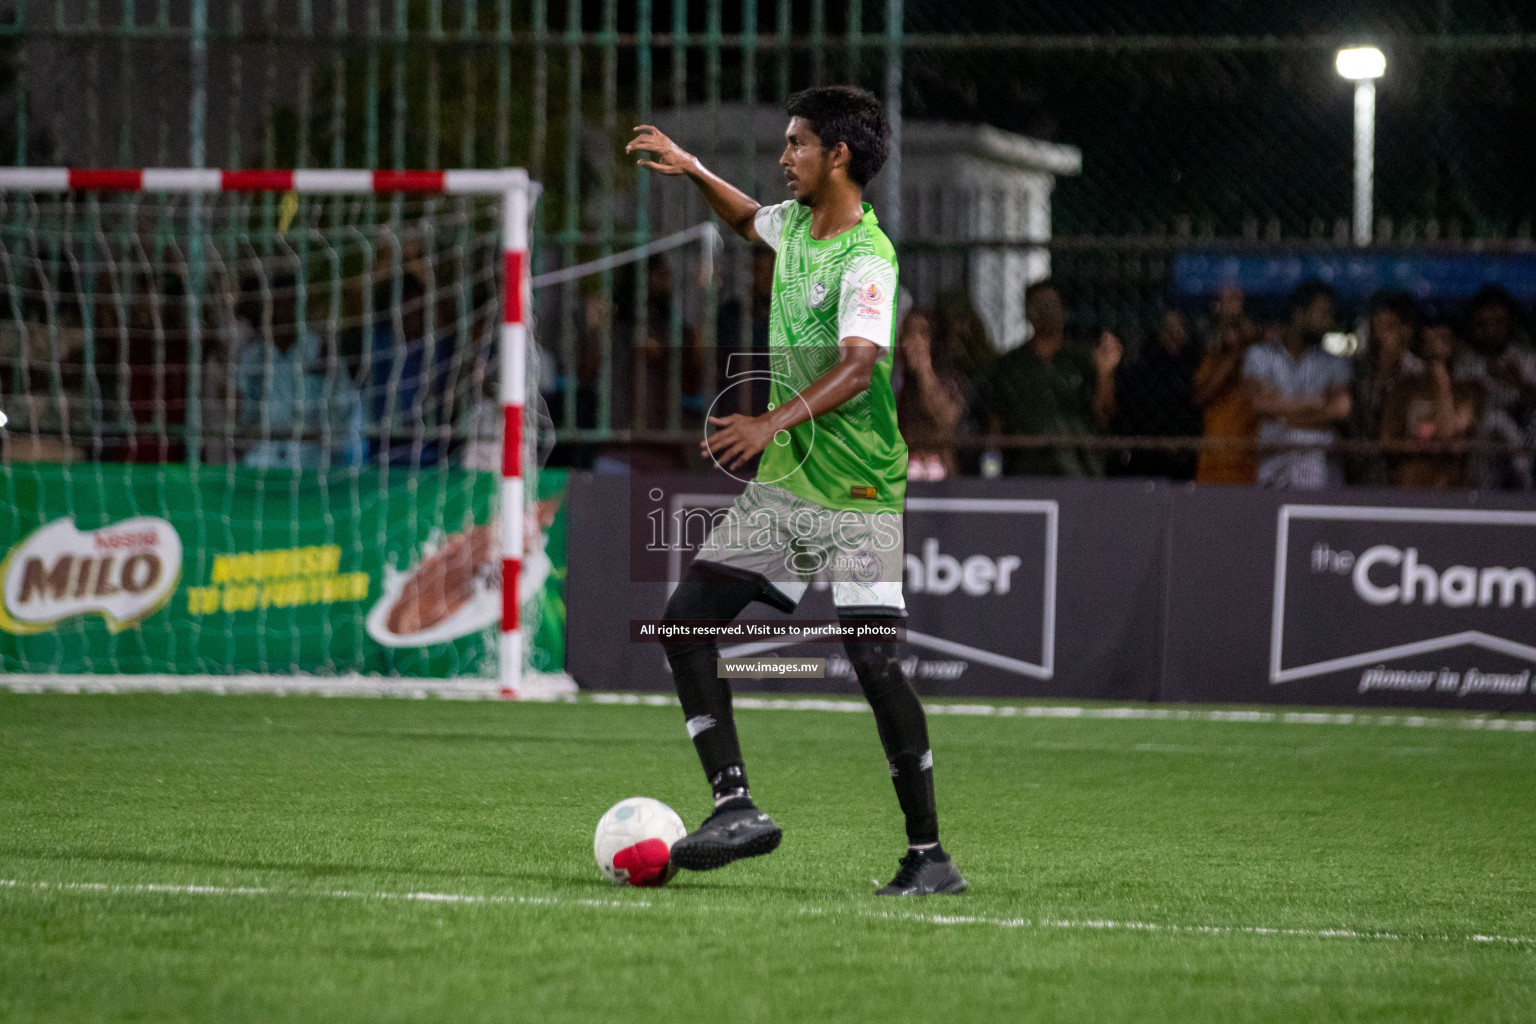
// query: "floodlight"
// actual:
[[1361, 62]]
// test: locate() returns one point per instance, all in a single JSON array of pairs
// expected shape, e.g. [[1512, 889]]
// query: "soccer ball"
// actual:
[[633, 845]]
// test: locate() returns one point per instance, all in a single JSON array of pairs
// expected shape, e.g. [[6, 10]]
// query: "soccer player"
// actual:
[[830, 486]]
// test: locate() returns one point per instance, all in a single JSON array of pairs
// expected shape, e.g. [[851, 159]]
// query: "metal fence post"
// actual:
[[198, 127]]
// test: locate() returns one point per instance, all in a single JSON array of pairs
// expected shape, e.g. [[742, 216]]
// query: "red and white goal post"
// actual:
[[512, 189]]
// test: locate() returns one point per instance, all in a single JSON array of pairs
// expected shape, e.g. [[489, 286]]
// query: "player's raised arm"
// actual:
[[733, 205]]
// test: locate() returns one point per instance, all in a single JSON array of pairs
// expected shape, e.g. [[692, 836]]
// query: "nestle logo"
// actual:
[[1415, 581], [123, 572], [121, 541]]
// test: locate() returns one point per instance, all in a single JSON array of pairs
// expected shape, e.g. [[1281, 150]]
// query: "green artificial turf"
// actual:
[[1121, 870]]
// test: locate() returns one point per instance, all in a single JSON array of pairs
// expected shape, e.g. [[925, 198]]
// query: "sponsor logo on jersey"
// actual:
[[124, 572], [865, 566], [870, 292], [818, 293]]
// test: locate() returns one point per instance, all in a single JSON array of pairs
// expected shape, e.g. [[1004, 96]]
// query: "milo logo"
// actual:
[[123, 572]]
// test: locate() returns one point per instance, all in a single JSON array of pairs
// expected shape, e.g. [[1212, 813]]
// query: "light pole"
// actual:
[[1363, 65]]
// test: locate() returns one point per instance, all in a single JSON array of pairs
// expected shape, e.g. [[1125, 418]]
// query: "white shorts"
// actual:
[[788, 541]]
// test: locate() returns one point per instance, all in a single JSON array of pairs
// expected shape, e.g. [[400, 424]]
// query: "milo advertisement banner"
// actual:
[[128, 569]]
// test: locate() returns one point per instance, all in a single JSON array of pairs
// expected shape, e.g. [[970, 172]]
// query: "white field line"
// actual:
[[1045, 923], [481, 689], [1475, 723], [281, 686], [1202, 929], [331, 894]]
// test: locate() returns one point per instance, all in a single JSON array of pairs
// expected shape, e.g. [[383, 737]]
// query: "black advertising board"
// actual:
[[1380, 598], [1122, 590], [1012, 588]]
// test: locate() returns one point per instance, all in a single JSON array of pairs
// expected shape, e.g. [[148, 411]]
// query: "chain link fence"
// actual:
[[1104, 145]]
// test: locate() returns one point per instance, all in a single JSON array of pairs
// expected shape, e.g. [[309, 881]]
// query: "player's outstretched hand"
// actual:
[[666, 156], [737, 439]]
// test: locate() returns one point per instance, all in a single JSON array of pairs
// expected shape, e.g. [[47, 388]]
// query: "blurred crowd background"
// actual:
[[1403, 392], [1124, 230]]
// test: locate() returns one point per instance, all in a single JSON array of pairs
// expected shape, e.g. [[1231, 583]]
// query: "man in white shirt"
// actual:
[[1300, 393]]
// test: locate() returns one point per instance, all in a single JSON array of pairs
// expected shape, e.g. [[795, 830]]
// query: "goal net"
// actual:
[[266, 430]]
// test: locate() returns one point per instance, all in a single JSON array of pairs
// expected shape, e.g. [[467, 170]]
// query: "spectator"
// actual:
[[149, 359], [651, 351], [961, 334], [1387, 363], [42, 372], [411, 374], [1048, 386], [929, 398], [1499, 359], [1154, 399], [657, 361], [1433, 408], [728, 336], [288, 386], [1299, 392], [759, 299], [220, 409], [1218, 390]]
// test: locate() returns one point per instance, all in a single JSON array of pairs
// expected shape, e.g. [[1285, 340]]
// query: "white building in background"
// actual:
[[976, 201]]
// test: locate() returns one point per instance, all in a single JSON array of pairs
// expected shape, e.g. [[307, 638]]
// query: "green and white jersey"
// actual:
[[852, 457]]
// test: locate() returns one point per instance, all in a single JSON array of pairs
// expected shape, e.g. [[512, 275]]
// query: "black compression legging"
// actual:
[[707, 594], [711, 593], [903, 732]]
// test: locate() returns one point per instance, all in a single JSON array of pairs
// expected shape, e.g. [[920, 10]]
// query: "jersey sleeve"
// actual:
[[769, 222], [867, 306]]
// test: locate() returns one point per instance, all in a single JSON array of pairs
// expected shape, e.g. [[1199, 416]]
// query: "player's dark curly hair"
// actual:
[[848, 114]]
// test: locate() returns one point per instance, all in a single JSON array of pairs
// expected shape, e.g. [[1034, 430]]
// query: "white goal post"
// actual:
[[509, 187]]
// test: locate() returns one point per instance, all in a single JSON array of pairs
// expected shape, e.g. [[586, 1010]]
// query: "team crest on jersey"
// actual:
[[818, 293]]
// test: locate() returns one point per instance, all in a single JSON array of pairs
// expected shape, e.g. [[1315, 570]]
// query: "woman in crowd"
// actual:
[[1434, 409], [1218, 390], [1388, 363], [930, 397]]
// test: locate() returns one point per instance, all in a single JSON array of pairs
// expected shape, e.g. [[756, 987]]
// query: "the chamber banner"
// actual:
[[1119, 590]]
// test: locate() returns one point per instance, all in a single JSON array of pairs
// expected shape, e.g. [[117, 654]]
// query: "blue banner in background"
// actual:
[[1271, 274]]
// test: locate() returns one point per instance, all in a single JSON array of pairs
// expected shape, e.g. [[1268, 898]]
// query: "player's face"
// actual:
[[806, 164]]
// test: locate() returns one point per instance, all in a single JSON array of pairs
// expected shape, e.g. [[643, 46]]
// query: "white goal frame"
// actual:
[[515, 190]]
